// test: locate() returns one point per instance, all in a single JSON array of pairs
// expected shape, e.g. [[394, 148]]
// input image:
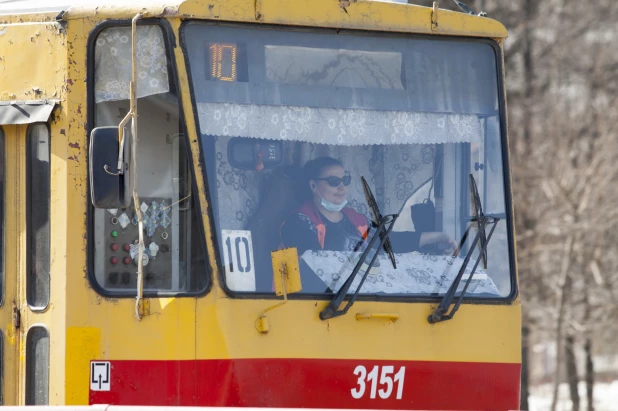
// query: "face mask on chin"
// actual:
[[332, 206]]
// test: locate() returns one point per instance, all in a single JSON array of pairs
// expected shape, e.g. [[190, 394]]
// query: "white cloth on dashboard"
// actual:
[[415, 274]]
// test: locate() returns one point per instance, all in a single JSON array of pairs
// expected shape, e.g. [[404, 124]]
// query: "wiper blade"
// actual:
[[332, 309], [377, 217], [478, 217], [440, 314]]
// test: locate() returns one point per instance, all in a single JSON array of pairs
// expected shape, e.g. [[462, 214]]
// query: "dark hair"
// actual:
[[313, 169]]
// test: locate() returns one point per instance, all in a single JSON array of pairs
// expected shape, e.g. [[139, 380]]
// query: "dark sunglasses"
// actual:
[[335, 181]]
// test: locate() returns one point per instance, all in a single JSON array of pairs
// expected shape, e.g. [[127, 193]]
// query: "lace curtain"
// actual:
[[394, 151], [238, 191], [112, 58], [348, 127]]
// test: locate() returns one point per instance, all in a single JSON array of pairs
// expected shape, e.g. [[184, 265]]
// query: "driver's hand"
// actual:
[[442, 241]]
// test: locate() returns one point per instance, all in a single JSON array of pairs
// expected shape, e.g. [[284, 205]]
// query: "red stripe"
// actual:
[[306, 383]]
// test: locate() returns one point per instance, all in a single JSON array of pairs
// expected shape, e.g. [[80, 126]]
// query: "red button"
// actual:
[[113, 260], [127, 247], [126, 260], [114, 247]]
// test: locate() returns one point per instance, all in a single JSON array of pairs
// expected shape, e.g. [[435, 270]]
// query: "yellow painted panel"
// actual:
[[364, 15], [11, 252], [32, 61], [361, 14], [478, 333], [83, 345], [167, 333], [56, 313]]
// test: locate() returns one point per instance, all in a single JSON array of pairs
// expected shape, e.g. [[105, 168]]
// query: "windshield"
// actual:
[[290, 121]]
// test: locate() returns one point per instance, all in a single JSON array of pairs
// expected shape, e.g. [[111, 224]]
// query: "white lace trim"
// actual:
[[347, 127]]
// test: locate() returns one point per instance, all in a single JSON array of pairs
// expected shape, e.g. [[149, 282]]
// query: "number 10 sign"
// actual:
[[238, 260]]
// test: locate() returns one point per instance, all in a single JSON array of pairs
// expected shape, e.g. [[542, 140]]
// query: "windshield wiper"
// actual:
[[440, 314], [332, 309], [478, 216], [377, 217]]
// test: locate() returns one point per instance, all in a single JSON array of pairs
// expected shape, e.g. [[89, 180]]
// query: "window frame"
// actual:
[[499, 61], [168, 39], [29, 236]]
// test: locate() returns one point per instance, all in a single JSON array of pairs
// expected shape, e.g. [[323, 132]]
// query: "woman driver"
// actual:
[[325, 223]]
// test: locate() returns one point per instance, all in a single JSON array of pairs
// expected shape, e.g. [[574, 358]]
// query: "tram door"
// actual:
[[25, 262], [9, 331]]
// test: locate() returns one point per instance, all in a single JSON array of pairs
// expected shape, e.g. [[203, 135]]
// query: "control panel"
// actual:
[[121, 245]]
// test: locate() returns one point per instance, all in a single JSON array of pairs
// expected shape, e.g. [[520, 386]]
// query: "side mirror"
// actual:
[[109, 187]]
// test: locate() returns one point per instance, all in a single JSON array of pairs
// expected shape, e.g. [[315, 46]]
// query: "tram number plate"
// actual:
[[389, 382], [238, 260]]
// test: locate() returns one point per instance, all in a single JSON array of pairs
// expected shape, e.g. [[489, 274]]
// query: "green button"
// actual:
[[114, 233]]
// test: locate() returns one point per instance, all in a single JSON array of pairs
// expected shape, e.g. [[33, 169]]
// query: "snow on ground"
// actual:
[[605, 397]]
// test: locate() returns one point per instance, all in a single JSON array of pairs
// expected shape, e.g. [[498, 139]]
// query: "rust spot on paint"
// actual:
[[169, 11], [63, 132], [70, 82], [72, 158], [74, 145], [79, 109]]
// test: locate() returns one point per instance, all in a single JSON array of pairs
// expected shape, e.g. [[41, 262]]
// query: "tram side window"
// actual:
[[174, 256], [37, 366], [38, 196]]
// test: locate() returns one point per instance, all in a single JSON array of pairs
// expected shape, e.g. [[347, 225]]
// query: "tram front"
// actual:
[[380, 160], [289, 123]]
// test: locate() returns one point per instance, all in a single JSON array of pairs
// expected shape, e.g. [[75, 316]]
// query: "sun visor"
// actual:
[[25, 112]]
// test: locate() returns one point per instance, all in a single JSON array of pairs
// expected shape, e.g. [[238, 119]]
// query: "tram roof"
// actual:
[[50, 6], [391, 16]]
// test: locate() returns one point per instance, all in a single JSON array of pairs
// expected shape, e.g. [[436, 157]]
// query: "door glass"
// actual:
[[37, 366], [174, 258]]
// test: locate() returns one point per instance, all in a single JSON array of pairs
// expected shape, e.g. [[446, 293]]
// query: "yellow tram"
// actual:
[[266, 203]]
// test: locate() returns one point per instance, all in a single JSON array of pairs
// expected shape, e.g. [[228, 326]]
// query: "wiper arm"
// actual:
[[441, 312], [479, 217], [332, 309], [377, 217], [482, 220]]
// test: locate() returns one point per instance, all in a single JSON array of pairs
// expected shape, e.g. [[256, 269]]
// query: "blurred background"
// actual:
[[562, 85]]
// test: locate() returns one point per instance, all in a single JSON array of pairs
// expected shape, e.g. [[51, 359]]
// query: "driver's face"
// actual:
[[321, 188]]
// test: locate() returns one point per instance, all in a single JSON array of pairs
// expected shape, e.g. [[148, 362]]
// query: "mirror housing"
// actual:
[[254, 154], [108, 188]]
